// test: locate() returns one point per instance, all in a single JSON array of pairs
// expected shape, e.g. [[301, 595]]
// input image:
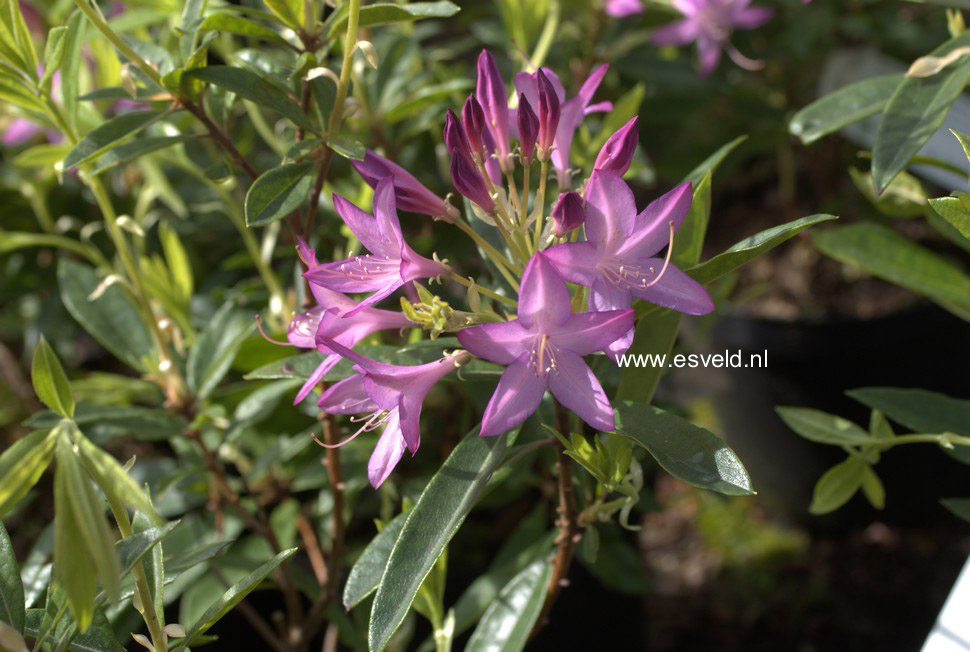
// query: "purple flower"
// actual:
[[391, 396], [469, 182], [529, 128], [544, 349], [455, 137], [474, 122], [391, 262], [494, 100], [549, 114], [623, 8], [412, 195], [568, 214], [618, 261], [710, 23], [617, 152], [571, 113]]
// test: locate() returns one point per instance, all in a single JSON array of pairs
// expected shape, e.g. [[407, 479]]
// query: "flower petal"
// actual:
[[517, 396], [498, 343], [610, 211], [387, 453], [677, 291], [680, 32], [347, 397], [709, 52], [606, 296], [575, 262], [328, 363], [587, 332], [544, 300], [410, 414], [576, 387], [751, 17], [362, 223], [385, 210], [651, 231]]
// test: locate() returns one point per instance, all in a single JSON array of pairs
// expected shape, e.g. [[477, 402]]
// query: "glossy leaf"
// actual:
[[111, 319], [278, 192], [22, 464], [713, 161], [508, 621], [919, 410], [105, 421], [50, 383], [366, 572], [225, 22], [445, 502], [108, 135], [11, 588], [382, 13], [822, 427], [688, 452], [248, 85], [134, 150], [132, 549], [232, 597], [838, 485], [213, 353], [112, 478], [844, 106], [290, 12], [348, 147], [97, 638], [953, 211], [915, 112]]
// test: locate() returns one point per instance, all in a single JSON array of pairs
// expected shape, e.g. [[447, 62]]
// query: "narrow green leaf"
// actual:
[[290, 12], [111, 319], [915, 112], [214, 351], [872, 488], [53, 55], [507, 622], [177, 259], [686, 451], [13, 240], [132, 549], [445, 502], [953, 211], [107, 421], [22, 464], [11, 588], [73, 568], [713, 161], [838, 485], [904, 197], [844, 106], [324, 95], [49, 380], [822, 427], [423, 98], [959, 507], [232, 597], [690, 237], [108, 135], [46, 155], [112, 478], [366, 572], [278, 192], [383, 13], [135, 149], [917, 409], [70, 65], [248, 85], [224, 22], [348, 147]]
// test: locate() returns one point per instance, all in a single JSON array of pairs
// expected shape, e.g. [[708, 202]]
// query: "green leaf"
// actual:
[[844, 106], [508, 621], [98, 637], [278, 192], [132, 549], [49, 380], [917, 409], [70, 65], [684, 450], [290, 12], [22, 464], [178, 261], [713, 161], [111, 319], [16, 37], [838, 485], [348, 147], [248, 85], [959, 507], [41, 156], [822, 427], [953, 211], [383, 13], [872, 488], [884, 253], [108, 135], [233, 596], [445, 502], [135, 149], [904, 197], [422, 98], [915, 112], [750, 248], [112, 478], [366, 572], [106, 421], [213, 353], [11, 588], [223, 22], [690, 237], [324, 95]]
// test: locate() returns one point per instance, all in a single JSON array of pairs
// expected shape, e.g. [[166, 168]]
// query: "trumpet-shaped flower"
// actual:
[[710, 23], [411, 194], [619, 259], [568, 214], [390, 396], [529, 128], [617, 153], [491, 95], [543, 349], [391, 262]]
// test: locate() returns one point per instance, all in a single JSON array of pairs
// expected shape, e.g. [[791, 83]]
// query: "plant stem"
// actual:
[[540, 206], [512, 303], [545, 39], [97, 19], [501, 262], [942, 439]]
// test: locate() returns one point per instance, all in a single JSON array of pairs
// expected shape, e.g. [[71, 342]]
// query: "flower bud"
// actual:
[[469, 182], [548, 114], [491, 94], [568, 214], [617, 152], [528, 128], [411, 194], [473, 118], [455, 138]]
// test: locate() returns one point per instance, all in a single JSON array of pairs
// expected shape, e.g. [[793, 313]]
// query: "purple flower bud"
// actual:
[[617, 152], [455, 138], [473, 118], [528, 128], [469, 182], [568, 214], [411, 194], [495, 104], [548, 114]]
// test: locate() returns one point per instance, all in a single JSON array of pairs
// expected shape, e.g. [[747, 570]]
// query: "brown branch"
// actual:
[[305, 105], [220, 137], [255, 620], [313, 549]]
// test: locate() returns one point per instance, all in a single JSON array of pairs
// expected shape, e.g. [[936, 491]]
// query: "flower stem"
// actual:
[[943, 439], [540, 207], [512, 303], [501, 262]]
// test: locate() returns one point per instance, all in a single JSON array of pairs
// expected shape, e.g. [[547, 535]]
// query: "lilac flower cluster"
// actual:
[[593, 237]]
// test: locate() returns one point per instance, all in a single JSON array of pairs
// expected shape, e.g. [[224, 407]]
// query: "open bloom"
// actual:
[[618, 261], [623, 8], [411, 194], [390, 396], [391, 262], [544, 349], [710, 23]]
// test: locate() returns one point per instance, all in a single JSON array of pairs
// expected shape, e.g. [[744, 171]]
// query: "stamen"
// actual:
[[259, 325], [370, 424], [670, 250]]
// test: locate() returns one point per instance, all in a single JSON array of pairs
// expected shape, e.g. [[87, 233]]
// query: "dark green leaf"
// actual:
[[711, 162], [233, 24], [508, 621], [248, 85], [348, 147], [210, 358], [445, 502], [382, 13], [823, 427], [960, 507], [98, 638], [70, 65], [838, 485], [108, 135], [11, 588], [135, 149], [844, 106], [106, 421], [953, 211], [324, 95], [915, 112], [49, 380], [290, 12], [918, 409], [111, 319], [21, 466], [112, 478], [684, 450], [278, 192], [366, 572], [132, 549]]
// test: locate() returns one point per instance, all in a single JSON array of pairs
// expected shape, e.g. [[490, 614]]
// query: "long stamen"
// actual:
[[542, 352], [670, 250], [259, 325], [369, 425]]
